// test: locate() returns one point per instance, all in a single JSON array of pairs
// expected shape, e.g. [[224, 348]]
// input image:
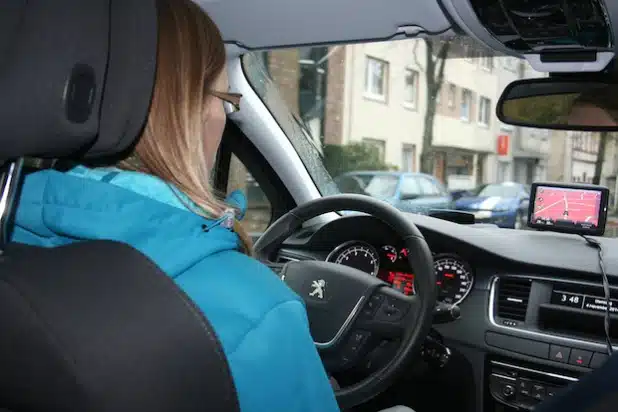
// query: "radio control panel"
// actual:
[[522, 387]]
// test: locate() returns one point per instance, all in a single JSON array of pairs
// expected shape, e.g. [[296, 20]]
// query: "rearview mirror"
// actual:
[[560, 104]]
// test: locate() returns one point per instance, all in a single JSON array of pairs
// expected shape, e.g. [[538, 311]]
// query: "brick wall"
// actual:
[[335, 85], [285, 72]]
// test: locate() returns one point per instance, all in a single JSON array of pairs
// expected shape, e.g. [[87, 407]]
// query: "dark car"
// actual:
[[503, 204]]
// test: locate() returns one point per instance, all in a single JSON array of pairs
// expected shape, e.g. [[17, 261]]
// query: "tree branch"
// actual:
[[416, 61]]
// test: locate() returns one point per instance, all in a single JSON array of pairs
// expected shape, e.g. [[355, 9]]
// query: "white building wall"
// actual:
[[392, 121]]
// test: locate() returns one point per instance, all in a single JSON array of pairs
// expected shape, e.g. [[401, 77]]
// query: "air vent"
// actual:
[[282, 259], [513, 294]]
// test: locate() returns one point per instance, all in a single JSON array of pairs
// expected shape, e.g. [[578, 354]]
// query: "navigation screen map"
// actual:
[[570, 206]]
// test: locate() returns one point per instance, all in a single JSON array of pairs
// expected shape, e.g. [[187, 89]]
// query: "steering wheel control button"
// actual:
[[598, 359], [372, 305], [392, 310], [580, 357], [353, 346], [559, 353]]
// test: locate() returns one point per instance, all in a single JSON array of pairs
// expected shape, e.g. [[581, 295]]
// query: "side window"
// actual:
[[259, 210], [429, 188], [410, 187]]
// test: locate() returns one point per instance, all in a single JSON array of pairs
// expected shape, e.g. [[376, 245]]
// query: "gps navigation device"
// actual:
[[568, 208]]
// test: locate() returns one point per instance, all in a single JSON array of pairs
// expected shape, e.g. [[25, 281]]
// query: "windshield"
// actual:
[[364, 117], [381, 185], [500, 191]]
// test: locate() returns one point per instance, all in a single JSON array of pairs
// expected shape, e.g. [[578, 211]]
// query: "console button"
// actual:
[[508, 391], [538, 392], [524, 387], [580, 357], [551, 391], [559, 353], [598, 359]]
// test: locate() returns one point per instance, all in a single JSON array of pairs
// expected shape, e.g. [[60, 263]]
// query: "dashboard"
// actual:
[[454, 276], [531, 302]]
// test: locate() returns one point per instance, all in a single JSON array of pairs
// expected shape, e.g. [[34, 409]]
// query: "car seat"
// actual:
[[92, 326]]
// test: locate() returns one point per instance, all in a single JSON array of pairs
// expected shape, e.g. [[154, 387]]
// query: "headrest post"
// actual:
[[10, 174]]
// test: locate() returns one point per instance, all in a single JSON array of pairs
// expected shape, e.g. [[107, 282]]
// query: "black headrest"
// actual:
[[75, 76]]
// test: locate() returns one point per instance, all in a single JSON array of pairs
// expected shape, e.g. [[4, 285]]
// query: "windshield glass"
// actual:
[[381, 185], [424, 108], [500, 191]]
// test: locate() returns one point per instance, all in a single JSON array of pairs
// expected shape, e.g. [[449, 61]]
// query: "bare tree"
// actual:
[[604, 138], [436, 53]]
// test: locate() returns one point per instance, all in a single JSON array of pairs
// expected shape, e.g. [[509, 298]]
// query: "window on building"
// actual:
[[380, 145], [466, 104], [411, 88], [470, 53], [312, 88], [376, 78], [484, 111], [408, 158], [487, 61], [452, 93]]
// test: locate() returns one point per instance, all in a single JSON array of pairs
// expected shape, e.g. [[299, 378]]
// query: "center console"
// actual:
[[524, 387], [548, 332]]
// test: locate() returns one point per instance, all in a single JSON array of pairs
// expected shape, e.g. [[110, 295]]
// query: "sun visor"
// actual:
[[61, 88]]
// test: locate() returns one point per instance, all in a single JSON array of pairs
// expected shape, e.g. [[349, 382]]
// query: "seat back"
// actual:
[[93, 326], [96, 326]]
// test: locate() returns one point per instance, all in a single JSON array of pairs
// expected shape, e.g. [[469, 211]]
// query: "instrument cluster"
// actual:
[[454, 276]]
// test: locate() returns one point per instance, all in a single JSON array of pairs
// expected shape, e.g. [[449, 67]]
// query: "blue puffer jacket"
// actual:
[[261, 323]]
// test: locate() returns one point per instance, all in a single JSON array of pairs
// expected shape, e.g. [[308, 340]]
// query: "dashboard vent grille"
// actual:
[[513, 294], [285, 259]]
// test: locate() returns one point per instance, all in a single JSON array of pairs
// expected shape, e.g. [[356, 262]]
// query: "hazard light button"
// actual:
[[559, 353]]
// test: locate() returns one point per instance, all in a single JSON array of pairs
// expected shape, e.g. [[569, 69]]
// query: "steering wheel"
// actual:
[[346, 307]]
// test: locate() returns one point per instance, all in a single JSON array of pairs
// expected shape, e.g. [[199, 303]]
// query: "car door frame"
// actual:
[[234, 142]]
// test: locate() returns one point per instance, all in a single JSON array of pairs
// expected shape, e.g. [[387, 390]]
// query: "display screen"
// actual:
[[403, 282], [582, 301], [574, 209]]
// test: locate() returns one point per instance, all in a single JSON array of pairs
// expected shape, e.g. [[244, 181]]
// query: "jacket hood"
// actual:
[[57, 208]]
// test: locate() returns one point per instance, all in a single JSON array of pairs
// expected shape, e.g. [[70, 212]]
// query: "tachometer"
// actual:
[[390, 252], [356, 254], [453, 277]]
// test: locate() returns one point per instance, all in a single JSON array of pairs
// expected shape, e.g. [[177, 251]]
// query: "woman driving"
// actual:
[[159, 201]]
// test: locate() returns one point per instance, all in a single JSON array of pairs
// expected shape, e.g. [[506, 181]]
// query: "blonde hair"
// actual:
[[191, 56]]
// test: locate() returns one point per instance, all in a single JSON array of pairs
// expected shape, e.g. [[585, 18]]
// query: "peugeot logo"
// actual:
[[318, 288]]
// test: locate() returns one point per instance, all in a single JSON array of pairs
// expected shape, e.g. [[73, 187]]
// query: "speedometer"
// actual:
[[356, 254], [453, 277]]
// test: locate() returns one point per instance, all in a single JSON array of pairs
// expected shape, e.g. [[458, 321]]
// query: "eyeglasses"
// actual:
[[231, 101]]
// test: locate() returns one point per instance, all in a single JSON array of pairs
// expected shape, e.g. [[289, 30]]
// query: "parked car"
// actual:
[[409, 192], [459, 193], [504, 204]]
